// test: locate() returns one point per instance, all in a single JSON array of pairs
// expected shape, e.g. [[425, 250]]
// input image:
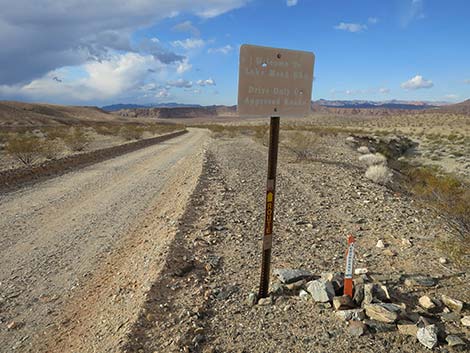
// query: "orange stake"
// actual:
[[348, 275]]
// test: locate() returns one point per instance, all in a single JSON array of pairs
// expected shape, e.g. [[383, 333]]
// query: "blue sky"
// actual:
[[187, 51]]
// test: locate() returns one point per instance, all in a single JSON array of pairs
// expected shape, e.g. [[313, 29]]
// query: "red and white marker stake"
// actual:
[[348, 274]]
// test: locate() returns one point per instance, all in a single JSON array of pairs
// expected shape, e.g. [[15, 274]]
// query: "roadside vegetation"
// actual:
[[33, 146]]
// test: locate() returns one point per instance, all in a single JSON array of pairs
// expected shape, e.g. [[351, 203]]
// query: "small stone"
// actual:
[[450, 317], [427, 336], [265, 301], [377, 326], [13, 325], [358, 296], [277, 289], [409, 329], [420, 281], [406, 242], [452, 304], [304, 295], [353, 314], [357, 328], [287, 276], [321, 291], [368, 293], [360, 271], [465, 321], [454, 341], [443, 260], [252, 298], [381, 293], [426, 302], [389, 252], [380, 244], [296, 285], [381, 312], [343, 302]]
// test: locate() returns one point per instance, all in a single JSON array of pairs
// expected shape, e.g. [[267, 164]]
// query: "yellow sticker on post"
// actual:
[[274, 82]]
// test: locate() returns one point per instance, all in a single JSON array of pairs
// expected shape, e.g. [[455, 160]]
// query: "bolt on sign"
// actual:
[[274, 82]]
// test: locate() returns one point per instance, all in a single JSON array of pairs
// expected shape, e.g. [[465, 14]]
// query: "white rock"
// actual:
[[380, 244], [442, 260], [465, 321], [426, 302], [321, 291], [361, 271], [427, 336], [304, 295]]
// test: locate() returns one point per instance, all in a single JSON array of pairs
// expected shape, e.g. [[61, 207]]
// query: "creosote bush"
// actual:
[[131, 132], [25, 148], [304, 145], [373, 159], [77, 139]]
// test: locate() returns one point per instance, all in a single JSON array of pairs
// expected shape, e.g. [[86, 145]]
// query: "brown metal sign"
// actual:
[[274, 82]]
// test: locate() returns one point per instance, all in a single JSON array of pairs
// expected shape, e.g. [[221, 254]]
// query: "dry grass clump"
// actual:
[[24, 148], [131, 132], [77, 139], [451, 198], [373, 159], [305, 145], [379, 174], [363, 150]]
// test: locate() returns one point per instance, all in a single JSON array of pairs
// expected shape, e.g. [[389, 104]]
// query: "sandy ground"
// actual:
[[78, 252]]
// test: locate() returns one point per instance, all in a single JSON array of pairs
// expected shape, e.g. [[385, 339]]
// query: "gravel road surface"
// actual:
[[70, 243]]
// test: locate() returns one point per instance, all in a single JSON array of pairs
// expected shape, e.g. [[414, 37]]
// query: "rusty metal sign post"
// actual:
[[273, 82]]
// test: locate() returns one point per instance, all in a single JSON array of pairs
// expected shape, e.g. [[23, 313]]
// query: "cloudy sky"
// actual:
[[97, 52]]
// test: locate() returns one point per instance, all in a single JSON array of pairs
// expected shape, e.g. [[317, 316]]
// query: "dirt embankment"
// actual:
[[10, 179]]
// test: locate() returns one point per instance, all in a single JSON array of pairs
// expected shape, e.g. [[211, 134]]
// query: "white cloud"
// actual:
[[162, 93], [119, 75], [183, 66], [180, 83], [208, 82], [417, 82], [189, 43], [384, 90], [187, 26], [291, 2], [351, 27], [414, 10], [373, 20], [40, 36], [223, 50]]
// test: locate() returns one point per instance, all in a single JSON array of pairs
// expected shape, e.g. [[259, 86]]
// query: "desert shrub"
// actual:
[[373, 159], [76, 140], [304, 145], [363, 150], [24, 148], [57, 133], [131, 132], [50, 149], [111, 130], [379, 174]]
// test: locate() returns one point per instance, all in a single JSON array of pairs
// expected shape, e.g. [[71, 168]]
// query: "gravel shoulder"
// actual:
[[198, 303], [78, 252]]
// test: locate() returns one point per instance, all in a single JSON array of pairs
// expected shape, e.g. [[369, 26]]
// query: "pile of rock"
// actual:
[[372, 309]]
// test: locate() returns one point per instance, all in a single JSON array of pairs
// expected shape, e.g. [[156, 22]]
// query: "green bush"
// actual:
[[132, 132]]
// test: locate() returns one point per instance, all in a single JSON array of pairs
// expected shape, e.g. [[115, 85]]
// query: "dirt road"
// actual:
[[78, 252]]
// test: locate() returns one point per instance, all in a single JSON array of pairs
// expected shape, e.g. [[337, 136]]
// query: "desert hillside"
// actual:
[[19, 114]]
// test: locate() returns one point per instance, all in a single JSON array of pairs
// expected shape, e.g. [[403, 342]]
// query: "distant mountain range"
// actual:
[[120, 106], [351, 104], [391, 104]]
